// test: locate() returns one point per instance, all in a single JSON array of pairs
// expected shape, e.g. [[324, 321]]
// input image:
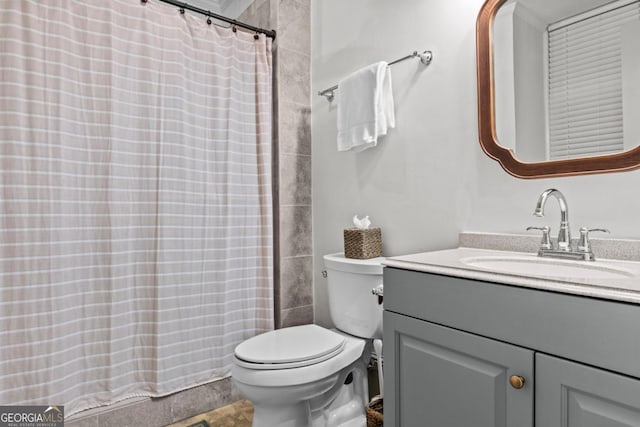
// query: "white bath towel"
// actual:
[[365, 107]]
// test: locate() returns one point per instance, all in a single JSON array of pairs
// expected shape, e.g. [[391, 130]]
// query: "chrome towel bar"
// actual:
[[425, 57]]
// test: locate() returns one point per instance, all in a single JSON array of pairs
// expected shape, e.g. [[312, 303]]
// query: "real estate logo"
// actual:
[[31, 416]]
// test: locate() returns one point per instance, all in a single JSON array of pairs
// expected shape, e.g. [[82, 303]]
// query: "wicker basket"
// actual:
[[362, 244], [375, 413]]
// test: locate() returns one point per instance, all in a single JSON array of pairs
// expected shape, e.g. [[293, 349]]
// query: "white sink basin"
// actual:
[[547, 267]]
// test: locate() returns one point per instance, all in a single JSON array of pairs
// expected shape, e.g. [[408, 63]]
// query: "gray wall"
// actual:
[[428, 179]]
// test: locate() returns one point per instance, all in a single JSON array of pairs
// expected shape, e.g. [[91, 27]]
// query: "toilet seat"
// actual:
[[254, 377], [291, 347]]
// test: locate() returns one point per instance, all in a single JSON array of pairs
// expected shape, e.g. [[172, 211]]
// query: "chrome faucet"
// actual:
[[564, 234], [563, 250]]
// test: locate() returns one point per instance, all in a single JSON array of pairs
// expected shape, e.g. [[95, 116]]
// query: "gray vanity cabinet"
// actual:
[[456, 349]]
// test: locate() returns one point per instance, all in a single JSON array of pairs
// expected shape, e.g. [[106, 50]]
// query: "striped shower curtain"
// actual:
[[135, 200]]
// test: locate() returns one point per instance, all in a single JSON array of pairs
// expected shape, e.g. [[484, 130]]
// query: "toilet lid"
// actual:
[[291, 347]]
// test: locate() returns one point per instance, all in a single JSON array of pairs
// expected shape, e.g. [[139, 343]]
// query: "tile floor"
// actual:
[[238, 414]]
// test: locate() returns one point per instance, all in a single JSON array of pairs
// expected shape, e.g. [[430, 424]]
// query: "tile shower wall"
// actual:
[[294, 261]]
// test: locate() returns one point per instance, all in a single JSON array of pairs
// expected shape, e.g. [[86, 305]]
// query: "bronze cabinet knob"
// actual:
[[516, 381]]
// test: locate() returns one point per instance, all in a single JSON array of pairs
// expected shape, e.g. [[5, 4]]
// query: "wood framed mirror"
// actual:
[[620, 158]]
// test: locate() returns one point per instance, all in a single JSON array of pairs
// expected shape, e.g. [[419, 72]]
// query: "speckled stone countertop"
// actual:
[[612, 255], [619, 249]]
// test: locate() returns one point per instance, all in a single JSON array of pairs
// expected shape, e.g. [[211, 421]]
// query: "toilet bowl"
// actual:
[[309, 375]]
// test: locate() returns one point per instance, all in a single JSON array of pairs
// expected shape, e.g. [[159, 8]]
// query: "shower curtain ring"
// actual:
[[234, 28], [256, 36], [182, 11], [209, 20]]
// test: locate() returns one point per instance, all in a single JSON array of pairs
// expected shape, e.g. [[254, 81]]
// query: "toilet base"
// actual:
[[333, 404], [348, 407]]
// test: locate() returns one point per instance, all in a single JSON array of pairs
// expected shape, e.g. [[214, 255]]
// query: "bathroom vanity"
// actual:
[[473, 339]]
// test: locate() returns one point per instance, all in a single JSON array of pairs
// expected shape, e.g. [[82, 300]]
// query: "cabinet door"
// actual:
[[442, 377], [572, 395]]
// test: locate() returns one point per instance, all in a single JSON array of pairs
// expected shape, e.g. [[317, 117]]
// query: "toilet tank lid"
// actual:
[[351, 265]]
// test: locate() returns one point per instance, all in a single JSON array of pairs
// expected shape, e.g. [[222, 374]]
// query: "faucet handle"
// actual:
[[545, 243], [583, 244]]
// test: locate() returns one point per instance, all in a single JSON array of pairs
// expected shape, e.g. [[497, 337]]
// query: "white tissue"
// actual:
[[362, 224]]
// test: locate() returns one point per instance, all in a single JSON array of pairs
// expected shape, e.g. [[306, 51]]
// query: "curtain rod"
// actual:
[[425, 58], [182, 6]]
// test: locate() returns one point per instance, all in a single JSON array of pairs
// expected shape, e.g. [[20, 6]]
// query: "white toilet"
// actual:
[[312, 376]]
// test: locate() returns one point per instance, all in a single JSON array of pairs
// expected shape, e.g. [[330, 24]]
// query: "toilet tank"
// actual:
[[353, 307]]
